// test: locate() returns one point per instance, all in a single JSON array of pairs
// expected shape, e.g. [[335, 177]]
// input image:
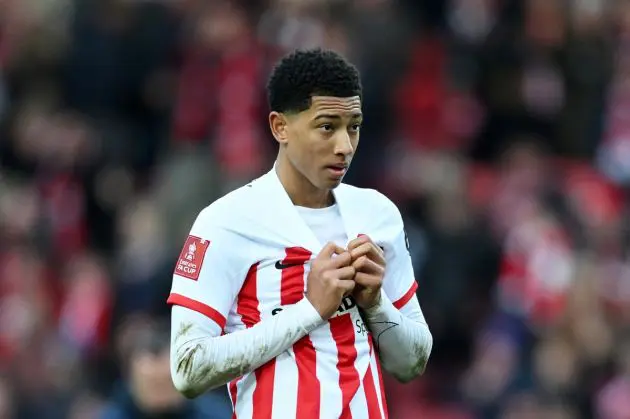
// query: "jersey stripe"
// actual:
[[292, 283], [371, 396], [358, 405], [286, 391], [206, 310], [247, 303], [408, 296], [342, 331], [308, 396], [263, 394], [291, 292], [380, 379], [327, 372], [233, 393], [247, 307]]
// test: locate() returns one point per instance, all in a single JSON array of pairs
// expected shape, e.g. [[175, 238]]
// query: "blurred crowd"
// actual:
[[500, 128]]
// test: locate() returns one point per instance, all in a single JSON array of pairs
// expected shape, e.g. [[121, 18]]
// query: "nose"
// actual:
[[343, 144]]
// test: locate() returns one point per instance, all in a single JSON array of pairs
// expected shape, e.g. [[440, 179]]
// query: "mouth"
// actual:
[[337, 170]]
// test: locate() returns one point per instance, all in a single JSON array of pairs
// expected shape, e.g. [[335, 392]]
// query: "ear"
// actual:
[[279, 127]]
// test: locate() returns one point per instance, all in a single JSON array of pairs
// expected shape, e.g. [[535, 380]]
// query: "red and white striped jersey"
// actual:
[[248, 256]]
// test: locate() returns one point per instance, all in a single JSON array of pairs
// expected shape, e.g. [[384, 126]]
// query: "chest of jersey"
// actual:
[[280, 280]]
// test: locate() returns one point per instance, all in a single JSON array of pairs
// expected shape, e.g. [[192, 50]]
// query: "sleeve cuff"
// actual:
[[381, 306], [206, 310], [307, 315], [400, 303]]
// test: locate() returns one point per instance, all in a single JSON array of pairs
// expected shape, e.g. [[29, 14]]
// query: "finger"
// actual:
[[339, 250], [344, 273], [347, 285], [341, 260], [370, 250], [367, 265], [377, 254], [358, 242], [367, 280], [330, 249]]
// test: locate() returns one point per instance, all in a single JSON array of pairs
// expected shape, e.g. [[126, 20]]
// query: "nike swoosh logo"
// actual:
[[280, 265]]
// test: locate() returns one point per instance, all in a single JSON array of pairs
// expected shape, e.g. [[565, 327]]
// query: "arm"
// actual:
[[385, 274], [208, 276], [202, 358], [401, 337]]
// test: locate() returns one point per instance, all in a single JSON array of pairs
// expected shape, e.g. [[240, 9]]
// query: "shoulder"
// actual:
[[226, 210], [373, 202]]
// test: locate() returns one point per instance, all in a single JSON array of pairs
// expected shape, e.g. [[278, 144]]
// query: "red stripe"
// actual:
[[374, 411], [247, 307], [380, 381], [206, 310], [342, 331], [308, 395], [247, 300], [291, 292], [233, 394], [292, 284], [263, 393], [400, 303]]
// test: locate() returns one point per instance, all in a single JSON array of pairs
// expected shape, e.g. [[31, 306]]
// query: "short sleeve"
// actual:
[[399, 282], [206, 274]]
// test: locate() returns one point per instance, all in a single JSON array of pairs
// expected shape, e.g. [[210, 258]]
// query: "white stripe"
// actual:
[[245, 392], [358, 404], [285, 388], [327, 373], [377, 382], [361, 345], [286, 376], [268, 289], [247, 384]]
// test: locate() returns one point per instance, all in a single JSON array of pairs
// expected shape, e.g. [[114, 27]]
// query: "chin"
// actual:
[[336, 183], [331, 183]]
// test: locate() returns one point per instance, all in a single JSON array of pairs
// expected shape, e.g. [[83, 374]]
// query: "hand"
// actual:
[[369, 262], [330, 279]]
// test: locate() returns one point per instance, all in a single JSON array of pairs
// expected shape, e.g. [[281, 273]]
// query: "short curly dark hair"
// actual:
[[303, 74]]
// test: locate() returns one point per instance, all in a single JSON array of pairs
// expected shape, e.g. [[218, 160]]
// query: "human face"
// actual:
[[319, 143]]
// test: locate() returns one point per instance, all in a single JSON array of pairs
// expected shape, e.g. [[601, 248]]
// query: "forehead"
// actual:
[[338, 106]]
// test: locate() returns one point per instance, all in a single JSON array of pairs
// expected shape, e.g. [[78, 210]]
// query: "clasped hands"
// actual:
[[368, 260], [337, 272]]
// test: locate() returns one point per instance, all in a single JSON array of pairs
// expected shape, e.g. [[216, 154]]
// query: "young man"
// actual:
[[293, 287]]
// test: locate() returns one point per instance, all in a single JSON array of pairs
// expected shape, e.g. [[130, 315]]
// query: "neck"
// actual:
[[301, 191]]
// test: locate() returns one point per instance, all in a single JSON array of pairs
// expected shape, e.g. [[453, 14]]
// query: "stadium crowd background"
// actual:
[[500, 127]]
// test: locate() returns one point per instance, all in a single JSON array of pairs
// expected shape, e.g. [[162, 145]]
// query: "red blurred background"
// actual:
[[500, 127]]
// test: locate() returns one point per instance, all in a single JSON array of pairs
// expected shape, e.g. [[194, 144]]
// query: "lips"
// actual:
[[341, 166], [337, 170]]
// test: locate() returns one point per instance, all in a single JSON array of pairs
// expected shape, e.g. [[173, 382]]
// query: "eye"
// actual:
[[326, 127], [356, 127]]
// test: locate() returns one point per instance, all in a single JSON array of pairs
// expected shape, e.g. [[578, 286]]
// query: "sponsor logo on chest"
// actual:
[[347, 304]]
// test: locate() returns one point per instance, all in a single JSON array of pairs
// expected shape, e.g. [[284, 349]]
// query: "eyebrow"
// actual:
[[330, 116]]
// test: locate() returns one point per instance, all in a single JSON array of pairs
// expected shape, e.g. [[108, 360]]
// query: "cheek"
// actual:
[[308, 147], [300, 154], [355, 143]]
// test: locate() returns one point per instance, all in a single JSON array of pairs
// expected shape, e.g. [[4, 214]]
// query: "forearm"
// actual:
[[201, 359], [403, 339]]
